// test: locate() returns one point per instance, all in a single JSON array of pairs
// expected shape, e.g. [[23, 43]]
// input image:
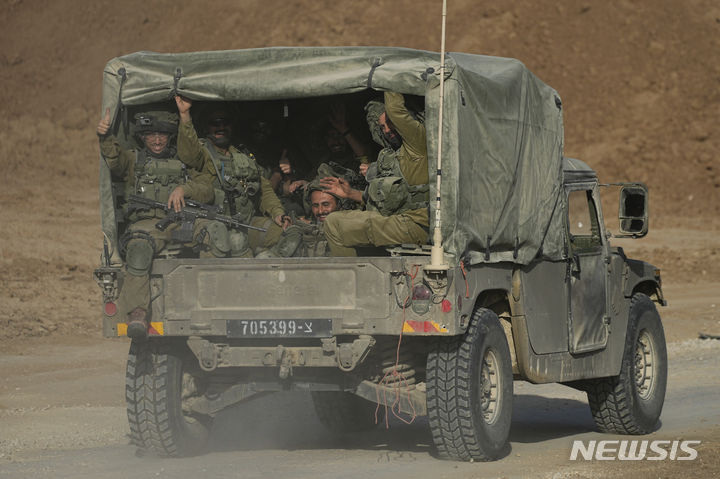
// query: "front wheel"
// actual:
[[156, 384], [470, 391], [631, 402]]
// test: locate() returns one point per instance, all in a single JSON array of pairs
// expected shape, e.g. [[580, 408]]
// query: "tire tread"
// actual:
[[449, 393], [611, 399]]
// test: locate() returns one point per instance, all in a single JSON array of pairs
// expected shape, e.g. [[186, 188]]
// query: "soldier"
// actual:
[[343, 146], [339, 147], [313, 237], [319, 204], [154, 172], [239, 184], [397, 196], [322, 203], [306, 237]]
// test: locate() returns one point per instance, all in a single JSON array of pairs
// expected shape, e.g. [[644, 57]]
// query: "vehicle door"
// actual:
[[587, 270]]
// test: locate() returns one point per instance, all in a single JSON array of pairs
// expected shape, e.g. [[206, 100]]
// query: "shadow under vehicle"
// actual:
[[530, 289]]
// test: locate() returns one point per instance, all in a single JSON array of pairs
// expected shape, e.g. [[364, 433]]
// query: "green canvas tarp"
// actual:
[[502, 131]]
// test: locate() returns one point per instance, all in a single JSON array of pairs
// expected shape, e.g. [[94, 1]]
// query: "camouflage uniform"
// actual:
[[397, 197], [244, 190], [153, 177]]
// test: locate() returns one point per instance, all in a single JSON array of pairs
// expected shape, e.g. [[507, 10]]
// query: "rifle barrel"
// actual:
[[194, 210]]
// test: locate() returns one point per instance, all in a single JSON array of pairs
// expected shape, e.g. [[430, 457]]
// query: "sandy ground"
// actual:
[[62, 415]]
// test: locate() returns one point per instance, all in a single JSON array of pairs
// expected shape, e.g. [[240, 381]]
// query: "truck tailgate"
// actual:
[[354, 293]]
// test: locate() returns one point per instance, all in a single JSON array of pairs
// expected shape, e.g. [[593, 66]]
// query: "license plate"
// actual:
[[279, 328]]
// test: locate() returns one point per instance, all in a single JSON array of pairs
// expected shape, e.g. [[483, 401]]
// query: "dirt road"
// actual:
[[63, 416]]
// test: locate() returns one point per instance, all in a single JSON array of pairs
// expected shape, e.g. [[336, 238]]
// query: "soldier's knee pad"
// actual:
[[138, 257], [217, 239], [239, 244], [266, 253]]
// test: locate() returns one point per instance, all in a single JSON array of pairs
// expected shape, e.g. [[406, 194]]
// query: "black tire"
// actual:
[[631, 402], [154, 394], [470, 391], [343, 412]]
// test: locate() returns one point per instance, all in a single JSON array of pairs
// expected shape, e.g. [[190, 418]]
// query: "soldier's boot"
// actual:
[[137, 327], [287, 246]]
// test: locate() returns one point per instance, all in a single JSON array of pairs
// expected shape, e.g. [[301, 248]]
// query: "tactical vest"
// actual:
[[237, 182], [389, 193], [155, 178]]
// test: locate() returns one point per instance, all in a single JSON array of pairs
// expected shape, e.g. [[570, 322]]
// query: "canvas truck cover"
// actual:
[[502, 132]]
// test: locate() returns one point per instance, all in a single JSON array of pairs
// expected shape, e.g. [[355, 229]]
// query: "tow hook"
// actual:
[[349, 355], [208, 357]]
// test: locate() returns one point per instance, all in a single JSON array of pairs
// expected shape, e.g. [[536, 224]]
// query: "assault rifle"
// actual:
[[186, 217]]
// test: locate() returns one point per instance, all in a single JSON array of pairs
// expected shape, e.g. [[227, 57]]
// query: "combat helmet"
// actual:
[[157, 121], [373, 110], [356, 180]]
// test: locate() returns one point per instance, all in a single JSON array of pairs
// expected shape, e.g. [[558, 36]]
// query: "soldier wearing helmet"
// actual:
[[397, 195], [319, 203], [151, 170], [156, 130], [238, 181]]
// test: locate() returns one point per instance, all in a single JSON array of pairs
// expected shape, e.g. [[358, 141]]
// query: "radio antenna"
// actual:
[[437, 258]]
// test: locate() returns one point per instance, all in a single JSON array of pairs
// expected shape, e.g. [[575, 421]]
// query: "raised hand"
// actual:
[[297, 184], [284, 163], [104, 124], [340, 188], [183, 106], [336, 117]]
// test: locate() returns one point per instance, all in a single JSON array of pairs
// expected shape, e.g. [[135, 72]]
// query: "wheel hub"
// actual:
[[644, 365], [489, 387]]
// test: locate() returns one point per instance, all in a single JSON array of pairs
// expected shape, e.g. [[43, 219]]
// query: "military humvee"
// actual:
[[532, 290]]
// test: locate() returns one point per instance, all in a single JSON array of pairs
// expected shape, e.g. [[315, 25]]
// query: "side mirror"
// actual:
[[633, 214]]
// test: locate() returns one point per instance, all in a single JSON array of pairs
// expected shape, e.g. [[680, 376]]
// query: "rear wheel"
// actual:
[[342, 412], [470, 391], [631, 402], [156, 385]]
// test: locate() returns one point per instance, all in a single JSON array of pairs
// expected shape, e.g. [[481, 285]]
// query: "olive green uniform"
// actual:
[[346, 229], [153, 178], [242, 177]]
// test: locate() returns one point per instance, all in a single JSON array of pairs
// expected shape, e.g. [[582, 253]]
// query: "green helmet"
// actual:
[[156, 121], [373, 111], [356, 180]]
